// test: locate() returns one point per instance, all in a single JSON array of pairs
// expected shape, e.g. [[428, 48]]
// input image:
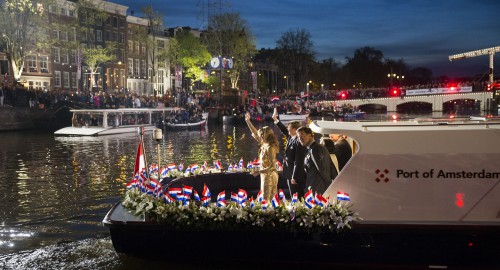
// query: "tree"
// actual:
[[21, 23], [187, 51], [228, 35], [366, 67], [296, 55]]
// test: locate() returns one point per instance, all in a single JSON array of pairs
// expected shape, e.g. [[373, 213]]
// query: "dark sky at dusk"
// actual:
[[422, 32]]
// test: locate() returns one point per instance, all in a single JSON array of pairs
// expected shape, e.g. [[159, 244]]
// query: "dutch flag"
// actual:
[[295, 197], [206, 191], [205, 201], [309, 196], [343, 196], [320, 200], [167, 198], [310, 204], [264, 204], [187, 190], [260, 196], [171, 166], [174, 192], [163, 171], [221, 196], [275, 201], [234, 197], [252, 203]]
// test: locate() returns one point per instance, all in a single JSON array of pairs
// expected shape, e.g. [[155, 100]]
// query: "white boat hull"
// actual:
[[293, 117], [99, 131], [421, 174], [200, 124]]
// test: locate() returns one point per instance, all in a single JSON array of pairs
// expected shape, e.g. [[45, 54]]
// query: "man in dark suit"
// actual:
[[293, 161], [318, 165], [343, 150]]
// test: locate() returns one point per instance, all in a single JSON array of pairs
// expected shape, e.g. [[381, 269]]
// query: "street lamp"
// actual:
[[286, 78], [391, 76], [158, 136]]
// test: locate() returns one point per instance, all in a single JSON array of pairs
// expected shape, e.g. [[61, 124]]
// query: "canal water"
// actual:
[[55, 191]]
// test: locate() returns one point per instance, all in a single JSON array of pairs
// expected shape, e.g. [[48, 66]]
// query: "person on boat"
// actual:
[[343, 150], [267, 156], [318, 165], [293, 161], [330, 146]]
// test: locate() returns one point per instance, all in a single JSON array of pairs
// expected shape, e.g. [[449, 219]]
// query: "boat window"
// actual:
[[86, 119]]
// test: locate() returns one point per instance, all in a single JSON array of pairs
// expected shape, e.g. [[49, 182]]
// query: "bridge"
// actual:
[[437, 100]]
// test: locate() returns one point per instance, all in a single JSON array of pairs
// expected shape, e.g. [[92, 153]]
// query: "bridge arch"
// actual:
[[437, 100]]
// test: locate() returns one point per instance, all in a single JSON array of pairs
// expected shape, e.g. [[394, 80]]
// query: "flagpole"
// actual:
[[141, 133]]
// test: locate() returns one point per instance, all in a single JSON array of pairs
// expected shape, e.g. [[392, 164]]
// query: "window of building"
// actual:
[[99, 35], [130, 45], [130, 66], [143, 68], [64, 35], [44, 63], [31, 61], [122, 77], [57, 55], [136, 67], [64, 57], [74, 81], [136, 47], [66, 79], [161, 86], [160, 43], [122, 38], [55, 34], [73, 56], [57, 78], [143, 49]]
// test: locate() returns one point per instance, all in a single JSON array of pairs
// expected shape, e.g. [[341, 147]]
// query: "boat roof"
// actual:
[[420, 124], [125, 110]]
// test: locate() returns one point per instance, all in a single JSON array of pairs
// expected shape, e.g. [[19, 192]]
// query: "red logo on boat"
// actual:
[[382, 175]]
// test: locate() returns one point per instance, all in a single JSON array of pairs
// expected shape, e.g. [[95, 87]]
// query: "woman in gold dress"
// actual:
[[267, 156]]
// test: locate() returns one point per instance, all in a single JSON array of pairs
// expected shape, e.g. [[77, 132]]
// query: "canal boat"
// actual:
[[352, 116], [426, 191], [178, 123], [99, 122]]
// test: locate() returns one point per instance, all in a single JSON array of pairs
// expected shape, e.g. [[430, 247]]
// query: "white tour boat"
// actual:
[[97, 122]]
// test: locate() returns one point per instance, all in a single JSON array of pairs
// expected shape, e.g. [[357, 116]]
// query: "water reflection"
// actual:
[[55, 189]]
